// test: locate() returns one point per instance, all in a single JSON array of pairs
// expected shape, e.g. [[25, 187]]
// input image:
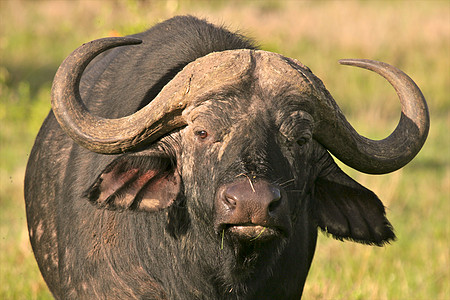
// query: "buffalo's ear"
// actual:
[[147, 183], [347, 210]]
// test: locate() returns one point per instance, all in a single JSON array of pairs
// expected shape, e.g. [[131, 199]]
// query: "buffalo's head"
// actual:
[[239, 140]]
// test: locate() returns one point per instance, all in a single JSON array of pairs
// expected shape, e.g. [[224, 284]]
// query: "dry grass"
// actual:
[[414, 35]]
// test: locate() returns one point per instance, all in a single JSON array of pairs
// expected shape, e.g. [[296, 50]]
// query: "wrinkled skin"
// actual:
[[155, 224]]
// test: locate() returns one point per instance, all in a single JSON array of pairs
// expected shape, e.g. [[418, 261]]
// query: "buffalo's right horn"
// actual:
[[391, 153], [98, 134]]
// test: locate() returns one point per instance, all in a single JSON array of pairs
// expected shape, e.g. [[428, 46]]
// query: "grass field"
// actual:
[[35, 36]]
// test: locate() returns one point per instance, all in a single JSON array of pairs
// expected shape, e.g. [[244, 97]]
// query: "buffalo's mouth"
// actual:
[[252, 232]]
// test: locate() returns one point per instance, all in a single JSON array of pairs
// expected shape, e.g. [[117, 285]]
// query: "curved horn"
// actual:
[[393, 152], [107, 136]]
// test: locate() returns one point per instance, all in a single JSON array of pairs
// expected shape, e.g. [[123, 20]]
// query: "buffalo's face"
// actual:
[[247, 163]]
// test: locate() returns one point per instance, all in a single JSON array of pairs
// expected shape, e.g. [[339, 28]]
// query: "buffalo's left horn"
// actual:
[[107, 136], [391, 153]]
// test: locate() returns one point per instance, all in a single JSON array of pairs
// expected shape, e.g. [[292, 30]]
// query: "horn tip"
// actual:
[[353, 61]]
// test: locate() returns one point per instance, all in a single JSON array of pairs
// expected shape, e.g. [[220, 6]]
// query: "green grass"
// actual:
[[35, 36]]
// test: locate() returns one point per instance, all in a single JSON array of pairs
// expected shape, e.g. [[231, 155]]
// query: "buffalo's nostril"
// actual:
[[276, 200], [229, 201]]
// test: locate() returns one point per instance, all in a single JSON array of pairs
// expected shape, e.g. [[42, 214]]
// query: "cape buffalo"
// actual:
[[191, 165]]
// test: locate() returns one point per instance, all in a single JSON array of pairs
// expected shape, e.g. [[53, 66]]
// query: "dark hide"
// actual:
[[145, 225]]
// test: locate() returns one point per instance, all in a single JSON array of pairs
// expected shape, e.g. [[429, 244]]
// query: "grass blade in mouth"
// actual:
[[259, 234]]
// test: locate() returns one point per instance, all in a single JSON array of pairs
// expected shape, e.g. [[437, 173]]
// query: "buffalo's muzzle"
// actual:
[[252, 209]]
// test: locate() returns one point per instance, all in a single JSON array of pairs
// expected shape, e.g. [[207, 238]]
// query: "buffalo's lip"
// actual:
[[252, 232]]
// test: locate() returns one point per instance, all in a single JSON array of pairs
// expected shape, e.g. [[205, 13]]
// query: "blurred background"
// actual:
[[35, 36]]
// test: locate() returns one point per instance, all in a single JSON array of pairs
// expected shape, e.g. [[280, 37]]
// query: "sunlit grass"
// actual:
[[35, 36]]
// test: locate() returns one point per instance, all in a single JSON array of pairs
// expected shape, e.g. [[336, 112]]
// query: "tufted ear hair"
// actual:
[[347, 210], [144, 183]]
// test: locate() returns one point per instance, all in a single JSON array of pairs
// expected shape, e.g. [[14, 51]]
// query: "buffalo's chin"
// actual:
[[255, 249]]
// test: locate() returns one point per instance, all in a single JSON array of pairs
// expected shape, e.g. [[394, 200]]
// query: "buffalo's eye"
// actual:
[[202, 134], [304, 139], [298, 128]]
